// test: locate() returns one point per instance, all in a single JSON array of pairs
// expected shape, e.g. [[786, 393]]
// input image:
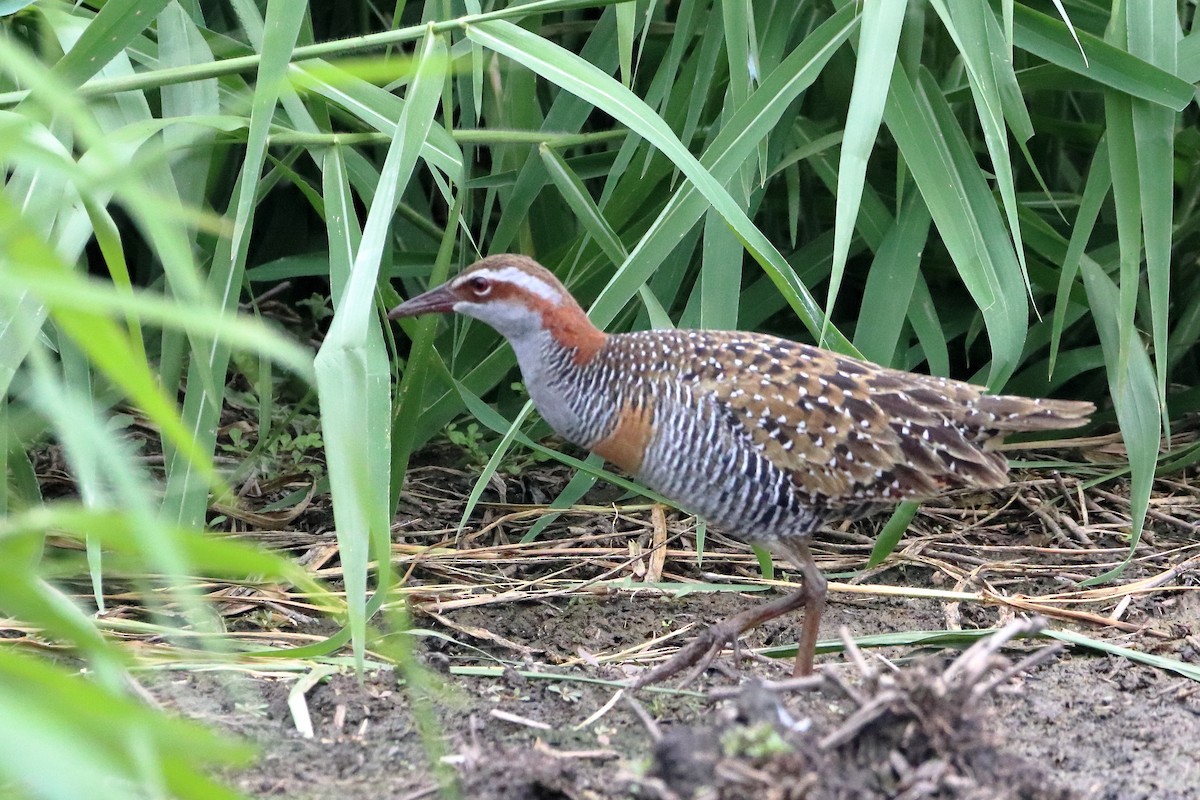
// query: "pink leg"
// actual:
[[700, 652]]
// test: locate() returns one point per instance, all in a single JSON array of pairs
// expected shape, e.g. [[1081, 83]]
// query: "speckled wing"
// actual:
[[851, 433]]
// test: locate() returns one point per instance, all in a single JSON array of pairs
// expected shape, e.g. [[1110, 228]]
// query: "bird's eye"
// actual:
[[480, 286]]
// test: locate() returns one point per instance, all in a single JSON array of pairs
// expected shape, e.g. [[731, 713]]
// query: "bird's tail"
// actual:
[[1013, 413]]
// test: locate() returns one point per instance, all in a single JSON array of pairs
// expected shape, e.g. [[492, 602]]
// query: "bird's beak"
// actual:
[[435, 301]]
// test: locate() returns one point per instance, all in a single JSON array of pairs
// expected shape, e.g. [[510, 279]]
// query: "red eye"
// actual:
[[480, 286]]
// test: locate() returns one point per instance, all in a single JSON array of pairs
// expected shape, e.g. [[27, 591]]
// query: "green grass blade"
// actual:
[[107, 345], [344, 234], [593, 85], [568, 113], [1107, 65], [573, 191], [72, 294], [878, 40], [968, 25], [1077, 639], [378, 109], [889, 290], [496, 421], [923, 316], [1099, 181], [107, 35], [890, 536], [1126, 189], [71, 738], [724, 156], [186, 492], [1134, 396], [720, 275], [571, 494], [180, 44], [626, 20], [353, 374], [493, 464], [1153, 30], [938, 154]]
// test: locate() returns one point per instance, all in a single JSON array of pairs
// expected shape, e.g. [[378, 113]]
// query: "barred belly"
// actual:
[[696, 453]]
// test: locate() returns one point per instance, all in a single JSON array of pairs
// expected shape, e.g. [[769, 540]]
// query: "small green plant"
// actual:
[[317, 306], [569, 694], [293, 443], [754, 741], [470, 439], [479, 445]]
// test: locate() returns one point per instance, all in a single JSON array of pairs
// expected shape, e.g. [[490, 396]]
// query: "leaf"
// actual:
[[112, 29], [187, 492], [937, 152], [1153, 35], [1105, 64], [1134, 396], [879, 37], [890, 536], [591, 84], [888, 294], [353, 375]]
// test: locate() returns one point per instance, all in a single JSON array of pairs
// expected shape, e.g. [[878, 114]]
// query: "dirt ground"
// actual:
[[1079, 726], [524, 645]]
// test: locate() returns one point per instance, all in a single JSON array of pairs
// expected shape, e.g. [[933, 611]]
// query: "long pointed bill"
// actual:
[[435, 301]]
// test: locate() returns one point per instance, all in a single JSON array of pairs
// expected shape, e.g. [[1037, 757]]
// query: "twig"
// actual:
[[643, 715], [517, 719]]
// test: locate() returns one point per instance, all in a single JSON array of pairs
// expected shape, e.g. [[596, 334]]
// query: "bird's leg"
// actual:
[[705, 647], [815, 591], [700, 652]]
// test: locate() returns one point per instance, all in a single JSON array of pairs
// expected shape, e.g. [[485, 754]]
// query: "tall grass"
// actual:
[[1006, 193]]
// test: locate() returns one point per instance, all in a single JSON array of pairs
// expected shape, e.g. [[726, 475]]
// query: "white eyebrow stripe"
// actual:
[[521, 278]]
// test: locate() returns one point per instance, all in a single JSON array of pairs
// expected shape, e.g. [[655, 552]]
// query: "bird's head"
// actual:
[[516, 296]]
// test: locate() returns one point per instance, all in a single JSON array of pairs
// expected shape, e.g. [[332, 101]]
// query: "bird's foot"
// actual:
[[697, 654], [701, 651]]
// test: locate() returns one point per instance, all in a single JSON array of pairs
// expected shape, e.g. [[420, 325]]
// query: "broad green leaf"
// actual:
[[1134, 396], [889, 290], [923, 316], [720, 275], [968, 25]]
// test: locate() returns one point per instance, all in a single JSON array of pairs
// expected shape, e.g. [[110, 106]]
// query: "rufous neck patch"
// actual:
[[572, 329]]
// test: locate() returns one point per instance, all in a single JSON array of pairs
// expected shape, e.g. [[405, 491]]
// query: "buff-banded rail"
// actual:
[[766, 438]]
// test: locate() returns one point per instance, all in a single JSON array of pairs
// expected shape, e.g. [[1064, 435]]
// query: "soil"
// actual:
[[517, 696], [1079, 726]]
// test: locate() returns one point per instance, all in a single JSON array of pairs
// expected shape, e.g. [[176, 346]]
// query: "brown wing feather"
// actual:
[[853, 432]]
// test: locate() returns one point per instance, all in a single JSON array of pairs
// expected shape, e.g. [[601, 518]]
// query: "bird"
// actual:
[[766, 438]]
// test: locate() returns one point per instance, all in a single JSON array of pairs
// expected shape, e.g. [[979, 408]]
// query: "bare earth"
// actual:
[[501, 724]]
